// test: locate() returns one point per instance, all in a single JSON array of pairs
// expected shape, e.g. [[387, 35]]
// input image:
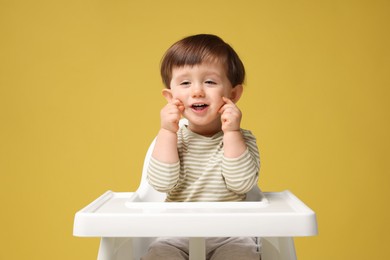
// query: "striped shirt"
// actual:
[[203, 173]]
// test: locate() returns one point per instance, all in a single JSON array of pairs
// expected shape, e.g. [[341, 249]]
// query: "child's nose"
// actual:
[[197, 90]]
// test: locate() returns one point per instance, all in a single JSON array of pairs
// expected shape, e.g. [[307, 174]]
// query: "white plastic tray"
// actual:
[[118, 215]]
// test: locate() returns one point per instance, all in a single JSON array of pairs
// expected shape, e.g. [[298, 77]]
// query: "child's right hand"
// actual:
[[171, 115]]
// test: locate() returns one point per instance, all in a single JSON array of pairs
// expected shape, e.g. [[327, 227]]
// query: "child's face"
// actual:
[[200, 89]]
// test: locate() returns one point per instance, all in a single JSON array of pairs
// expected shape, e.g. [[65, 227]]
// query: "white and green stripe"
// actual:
[[203, 173]]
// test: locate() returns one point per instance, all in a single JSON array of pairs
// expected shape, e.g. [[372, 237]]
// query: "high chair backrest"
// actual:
[[146, 192]]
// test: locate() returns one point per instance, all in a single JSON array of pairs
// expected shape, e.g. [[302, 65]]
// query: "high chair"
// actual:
[[128, 222]]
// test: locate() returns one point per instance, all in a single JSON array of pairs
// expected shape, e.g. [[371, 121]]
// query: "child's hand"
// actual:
[[171, 114], [230, 116]]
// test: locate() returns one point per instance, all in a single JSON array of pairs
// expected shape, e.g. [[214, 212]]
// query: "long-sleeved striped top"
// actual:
[[203, 173]]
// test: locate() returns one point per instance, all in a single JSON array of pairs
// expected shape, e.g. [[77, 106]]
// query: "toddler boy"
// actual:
[[211, 158]]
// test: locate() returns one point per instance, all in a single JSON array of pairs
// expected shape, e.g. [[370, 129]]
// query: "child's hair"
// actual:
[[196, 49]]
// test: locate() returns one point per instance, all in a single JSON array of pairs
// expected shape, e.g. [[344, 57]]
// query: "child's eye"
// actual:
[[210, 82], [185, 83]]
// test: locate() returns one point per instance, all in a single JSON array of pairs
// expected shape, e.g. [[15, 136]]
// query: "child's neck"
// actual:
[[206, 130]]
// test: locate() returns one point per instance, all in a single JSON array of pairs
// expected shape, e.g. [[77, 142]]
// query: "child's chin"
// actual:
[[204, 121]]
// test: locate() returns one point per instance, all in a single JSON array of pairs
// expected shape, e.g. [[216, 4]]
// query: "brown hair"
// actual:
[[194, 50]]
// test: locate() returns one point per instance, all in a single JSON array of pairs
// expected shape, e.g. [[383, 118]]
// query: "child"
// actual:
[[211, 158]]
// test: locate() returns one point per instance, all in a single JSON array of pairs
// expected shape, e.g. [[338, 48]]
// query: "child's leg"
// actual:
[[168, 248], [233, 248]]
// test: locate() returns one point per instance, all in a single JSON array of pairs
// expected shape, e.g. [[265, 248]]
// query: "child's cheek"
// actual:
[[174, 94], [179, 97], [220, 102]]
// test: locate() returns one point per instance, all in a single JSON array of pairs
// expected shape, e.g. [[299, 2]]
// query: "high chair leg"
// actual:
[[112, 248], [197, 248], [287, 243]]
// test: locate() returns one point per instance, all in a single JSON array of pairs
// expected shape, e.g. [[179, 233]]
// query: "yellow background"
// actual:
[[80, 99]]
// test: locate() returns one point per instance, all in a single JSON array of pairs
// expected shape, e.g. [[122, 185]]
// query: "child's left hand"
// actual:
[[230, 116]]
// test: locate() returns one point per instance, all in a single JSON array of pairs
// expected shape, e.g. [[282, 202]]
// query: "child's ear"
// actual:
[[167, 93], [236, 93]]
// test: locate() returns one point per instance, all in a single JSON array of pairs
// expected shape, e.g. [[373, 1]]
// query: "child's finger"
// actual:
[[227, 104], [227, 100], [178, 104], [175, 102], [222, 109]]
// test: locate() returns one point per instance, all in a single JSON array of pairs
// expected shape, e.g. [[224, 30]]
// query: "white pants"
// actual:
[[217, 248]]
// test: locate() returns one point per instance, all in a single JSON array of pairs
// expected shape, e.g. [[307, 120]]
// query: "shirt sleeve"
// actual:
[[163, 176], [242, 173]]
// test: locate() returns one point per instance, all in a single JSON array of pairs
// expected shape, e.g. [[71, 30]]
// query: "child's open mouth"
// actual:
[[199, 107]]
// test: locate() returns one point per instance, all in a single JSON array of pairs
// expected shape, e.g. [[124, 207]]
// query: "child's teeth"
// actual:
[[199, 106]]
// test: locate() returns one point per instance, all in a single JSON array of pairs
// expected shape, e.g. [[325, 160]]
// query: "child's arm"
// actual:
[[164, 167], [165, 149], [233, 141], [241, 158]]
